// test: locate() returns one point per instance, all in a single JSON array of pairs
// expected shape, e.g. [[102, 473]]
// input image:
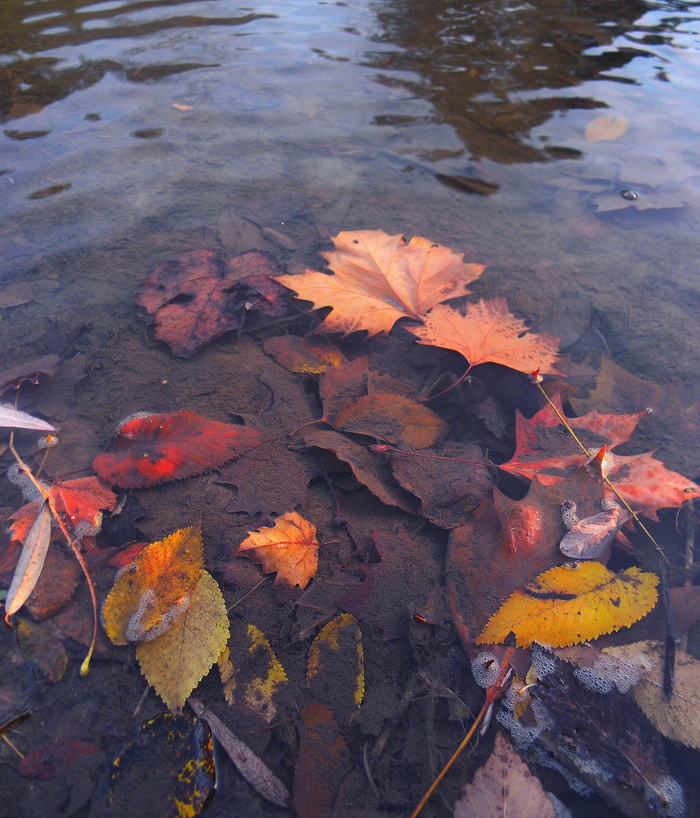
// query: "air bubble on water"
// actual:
[[486, 667], [47, 441], [609, 674], [88, 528], [17, 475], [543, 662], [523, 736], [128, 419], [169, 618], [545, 760], [666, 797]]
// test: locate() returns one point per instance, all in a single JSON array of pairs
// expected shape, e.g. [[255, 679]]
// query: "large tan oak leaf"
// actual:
[[378, 279], [489, 332]]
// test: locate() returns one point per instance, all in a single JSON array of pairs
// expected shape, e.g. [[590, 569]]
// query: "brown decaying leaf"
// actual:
[[13, 378], [379, 278], [216, 288], [606, 127], [306, 356], [504, 786], [489, 332], [589, 538], [288, 547], [336, 670], [253, 769], [42, 643]]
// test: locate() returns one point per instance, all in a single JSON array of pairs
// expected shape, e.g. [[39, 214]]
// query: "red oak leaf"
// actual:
[[151, 449]]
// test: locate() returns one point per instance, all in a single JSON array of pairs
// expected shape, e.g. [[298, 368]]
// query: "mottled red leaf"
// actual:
[[55, 758], [151, 449], [79, 503]]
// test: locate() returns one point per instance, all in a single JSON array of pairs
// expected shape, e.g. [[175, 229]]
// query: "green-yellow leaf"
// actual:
[[571, 604], [176, 661]]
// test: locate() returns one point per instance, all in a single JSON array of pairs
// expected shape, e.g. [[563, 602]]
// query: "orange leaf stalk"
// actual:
[[493, 693], [85, 666]]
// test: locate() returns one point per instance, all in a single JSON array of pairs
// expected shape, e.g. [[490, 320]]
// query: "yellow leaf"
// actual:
[[176, 661], [288, 547], [380, 278], [606, 127], [336, 669], [572, 603], [307, 356], [154, 590], [393, 418], [259, 689]]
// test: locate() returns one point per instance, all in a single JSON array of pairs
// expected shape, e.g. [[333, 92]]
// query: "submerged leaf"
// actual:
[[336, 669], [573, 603], [176, 661], [606, 127], [151, 449], [31, 561], [380, 278], [490, 332]]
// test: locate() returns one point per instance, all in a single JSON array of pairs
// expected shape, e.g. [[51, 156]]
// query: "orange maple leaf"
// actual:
[[489, 332], [380, 278], [288, 547]]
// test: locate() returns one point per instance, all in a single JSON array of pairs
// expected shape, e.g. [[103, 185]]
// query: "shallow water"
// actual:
[[130, 126]]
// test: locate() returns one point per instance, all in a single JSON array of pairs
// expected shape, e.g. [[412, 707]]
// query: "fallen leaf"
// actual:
[[42, 644], [178, 755], [392, 418], [54, 758], [573, 603], [335, 674], [380, 278], [677, 718], [151, 449], [588, 538], [14, 419], [79, 503], [606, 127], [205, 294], [14, 295], [31, 371], [323, 762], [175, 662], [155, 589], [252, 768], [258, 677], [489, 332], [504, 786], [288, 547], [56, 585], [306, 356], [31, 561]]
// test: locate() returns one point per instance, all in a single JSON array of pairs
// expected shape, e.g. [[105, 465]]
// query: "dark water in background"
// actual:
[[381, 101]]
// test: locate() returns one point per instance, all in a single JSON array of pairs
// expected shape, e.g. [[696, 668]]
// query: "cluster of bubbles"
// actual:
[[127, 420], [19, 477], [609, 674], [135, 631]]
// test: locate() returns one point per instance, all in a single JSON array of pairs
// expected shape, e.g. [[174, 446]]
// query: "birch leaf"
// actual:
[[176, 661], [31, 561], [571, 604]]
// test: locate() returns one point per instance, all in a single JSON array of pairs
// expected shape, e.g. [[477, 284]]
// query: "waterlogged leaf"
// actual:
[[205, 294], [380, 278], [504, 786], [253, 769], [14, 419], [606, 127], [392, 418], [306, 356], [57, 757], [489, 332], [336, 671], [151, 449], [155, 590], [573, 603], [169, 766], [31, 561], [80, 502], [257, 680], [288, 547], [677, 718], [176, 661], [42, 643], [588, 538], [28, 372]]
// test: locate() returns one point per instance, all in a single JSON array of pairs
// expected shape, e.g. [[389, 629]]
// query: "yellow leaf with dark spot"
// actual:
[[392, 418], [336, 669], [572, 603], [154, 590], [257, 680], [176, 661]]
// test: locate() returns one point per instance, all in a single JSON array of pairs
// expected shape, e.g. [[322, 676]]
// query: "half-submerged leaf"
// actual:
[[573, 603], [489, 332], [151, 449], [380, 278], [176, 661], [31, 561]]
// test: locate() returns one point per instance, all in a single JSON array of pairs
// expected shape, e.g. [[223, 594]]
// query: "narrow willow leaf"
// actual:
[[31, 561], [14, 419]]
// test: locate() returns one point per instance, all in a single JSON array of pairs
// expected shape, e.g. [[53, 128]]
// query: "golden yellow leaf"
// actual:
[[288, 547], [336, 669], [307, 356], [379, 278], [392, 418], [489, 332], [154, 590], [606, 127], [572, 603], [259, 689], [176, 661]]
